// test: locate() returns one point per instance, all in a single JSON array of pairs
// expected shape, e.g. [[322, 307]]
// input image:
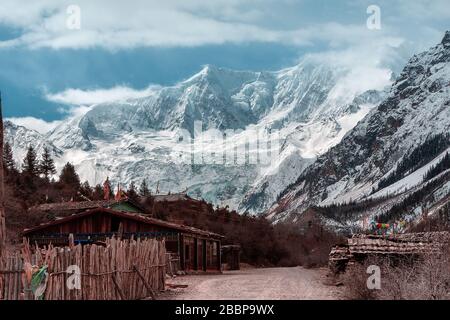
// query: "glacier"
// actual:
[[310, 106]]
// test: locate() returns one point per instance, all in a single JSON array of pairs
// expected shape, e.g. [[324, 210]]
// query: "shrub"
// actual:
[[426, 278]]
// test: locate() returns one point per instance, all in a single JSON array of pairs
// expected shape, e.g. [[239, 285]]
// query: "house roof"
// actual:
[[134, 216], [425, 237], [85, 205], [82, 205]]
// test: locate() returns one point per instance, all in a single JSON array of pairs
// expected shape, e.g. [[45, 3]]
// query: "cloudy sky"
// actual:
[[51, 69]]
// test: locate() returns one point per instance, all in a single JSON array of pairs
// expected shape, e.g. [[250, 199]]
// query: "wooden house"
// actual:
[[198, 250]]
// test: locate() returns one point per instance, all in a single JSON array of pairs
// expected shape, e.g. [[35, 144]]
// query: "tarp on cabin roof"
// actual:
[[84, 205]]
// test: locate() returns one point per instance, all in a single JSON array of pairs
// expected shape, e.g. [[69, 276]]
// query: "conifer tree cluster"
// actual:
[[37, 181], [420, 156], [414, 200], [443, 165]]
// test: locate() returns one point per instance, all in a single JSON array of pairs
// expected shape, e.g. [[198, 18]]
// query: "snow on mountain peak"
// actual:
[[20, 138], [312, 105], [416, 108]]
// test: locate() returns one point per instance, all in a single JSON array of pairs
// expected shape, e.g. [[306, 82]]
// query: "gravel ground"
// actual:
[[255, 284]]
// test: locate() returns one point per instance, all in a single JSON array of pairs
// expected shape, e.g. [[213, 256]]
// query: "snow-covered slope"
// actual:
[[20, 138], [310, 107], [417, 107], [301, 144]]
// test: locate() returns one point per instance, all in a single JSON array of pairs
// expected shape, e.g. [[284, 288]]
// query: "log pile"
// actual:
[[361, 246]]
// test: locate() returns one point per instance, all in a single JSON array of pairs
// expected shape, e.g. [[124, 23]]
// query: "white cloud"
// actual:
[[80, 97], [43, 126], [142, 23], [425, 9], [36, 124], [116, 25]]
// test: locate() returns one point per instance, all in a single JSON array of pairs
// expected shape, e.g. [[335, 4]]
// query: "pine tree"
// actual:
[[97, 193], [69, 177], [144, 191], [30, 164], [47, 165], [131, 193], [8, 159], [86, 191], [444, 164]]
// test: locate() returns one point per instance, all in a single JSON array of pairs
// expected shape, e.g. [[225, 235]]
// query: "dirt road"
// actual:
[[255, 284]]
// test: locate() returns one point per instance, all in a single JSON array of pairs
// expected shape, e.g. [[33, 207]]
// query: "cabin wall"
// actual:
[[199, 254]]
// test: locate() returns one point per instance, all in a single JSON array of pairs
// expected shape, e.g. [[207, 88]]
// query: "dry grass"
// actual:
[[427, 278]]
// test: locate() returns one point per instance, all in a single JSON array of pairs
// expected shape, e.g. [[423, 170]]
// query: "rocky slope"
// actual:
[[417, 108]]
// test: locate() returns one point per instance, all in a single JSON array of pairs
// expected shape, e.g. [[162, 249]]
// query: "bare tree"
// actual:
[[2, 191]]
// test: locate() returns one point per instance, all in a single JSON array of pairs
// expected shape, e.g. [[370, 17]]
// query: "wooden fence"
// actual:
[[11, 271], [118, 270]]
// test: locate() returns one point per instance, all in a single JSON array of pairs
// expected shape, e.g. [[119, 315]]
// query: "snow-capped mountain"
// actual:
[[310, 107], [416, 109], [302, 143], [20, 138]]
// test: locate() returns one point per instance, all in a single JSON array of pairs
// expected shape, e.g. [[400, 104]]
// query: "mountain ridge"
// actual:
[[352, 169], [312, 105]]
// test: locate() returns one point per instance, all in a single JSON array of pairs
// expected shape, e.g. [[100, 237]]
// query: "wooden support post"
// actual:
[[196, 254], [219, 254], [182, 256], [71, 241], [205, 261]]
